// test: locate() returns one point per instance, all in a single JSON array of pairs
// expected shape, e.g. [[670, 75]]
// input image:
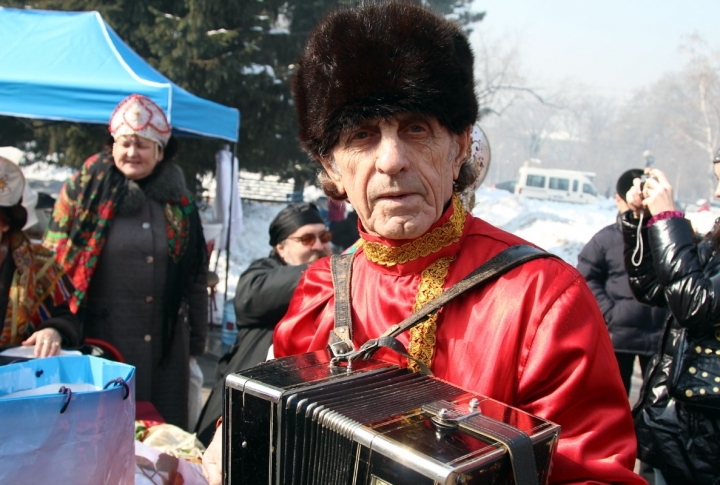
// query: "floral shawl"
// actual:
[[37, 282], [82, 216]]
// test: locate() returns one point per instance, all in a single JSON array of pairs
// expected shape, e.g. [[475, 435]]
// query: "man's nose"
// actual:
[[317, 244], [391, 157]]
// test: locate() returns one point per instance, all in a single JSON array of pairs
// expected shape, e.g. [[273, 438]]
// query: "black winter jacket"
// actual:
[[264, 291], [635, 328], [683, 276]]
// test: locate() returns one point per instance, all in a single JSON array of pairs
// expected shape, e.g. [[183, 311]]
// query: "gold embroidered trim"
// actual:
[[422, 336], [432, 242]]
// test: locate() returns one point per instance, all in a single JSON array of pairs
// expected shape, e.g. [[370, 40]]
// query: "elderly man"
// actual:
[[298, 236], [385, 100]]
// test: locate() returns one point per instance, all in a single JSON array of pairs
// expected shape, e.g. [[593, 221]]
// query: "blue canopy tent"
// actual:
[[71, 66]]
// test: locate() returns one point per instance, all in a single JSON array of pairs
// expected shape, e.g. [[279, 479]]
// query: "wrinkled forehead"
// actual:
[[400, 118]]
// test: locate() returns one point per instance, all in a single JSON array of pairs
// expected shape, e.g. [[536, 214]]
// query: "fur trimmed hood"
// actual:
[[378, 60]]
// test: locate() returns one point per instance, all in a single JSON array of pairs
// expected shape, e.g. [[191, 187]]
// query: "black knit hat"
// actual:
[[378, 60], [626, 181], [292, 218]]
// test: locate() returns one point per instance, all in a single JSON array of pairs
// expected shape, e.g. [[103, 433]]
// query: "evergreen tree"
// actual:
[[238, 54]]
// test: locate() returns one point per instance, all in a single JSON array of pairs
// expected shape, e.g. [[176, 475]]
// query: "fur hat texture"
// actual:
[[378, 60]]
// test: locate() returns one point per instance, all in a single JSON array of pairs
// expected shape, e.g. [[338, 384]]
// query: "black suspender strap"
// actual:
[[341, 337], [340, 341]]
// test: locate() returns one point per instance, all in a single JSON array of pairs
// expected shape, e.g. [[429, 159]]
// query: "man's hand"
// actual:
[[212, 459]]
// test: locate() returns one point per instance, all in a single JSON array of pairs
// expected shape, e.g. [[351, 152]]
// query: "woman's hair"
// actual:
[[168, 152], [714, 235], [11, 215]]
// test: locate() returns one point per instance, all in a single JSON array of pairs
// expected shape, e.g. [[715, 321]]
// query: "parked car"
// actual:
[[556, 184], [508, 185]]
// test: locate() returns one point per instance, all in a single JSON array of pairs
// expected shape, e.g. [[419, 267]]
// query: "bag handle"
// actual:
[[119, 381], [68, 395]]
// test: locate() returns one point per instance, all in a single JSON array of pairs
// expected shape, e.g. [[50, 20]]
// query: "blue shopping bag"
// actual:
[[67, 420]]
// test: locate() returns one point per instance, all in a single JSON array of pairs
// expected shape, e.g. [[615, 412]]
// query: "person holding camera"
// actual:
[[668, 268], [635, 329]]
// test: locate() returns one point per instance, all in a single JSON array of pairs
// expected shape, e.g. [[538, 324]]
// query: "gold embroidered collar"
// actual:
[[429, 243]]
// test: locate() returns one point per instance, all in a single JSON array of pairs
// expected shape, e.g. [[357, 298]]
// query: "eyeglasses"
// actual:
[[309, 239]]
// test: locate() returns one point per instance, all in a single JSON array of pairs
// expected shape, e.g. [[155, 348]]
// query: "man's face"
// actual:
[[398, 173], [294, 252]]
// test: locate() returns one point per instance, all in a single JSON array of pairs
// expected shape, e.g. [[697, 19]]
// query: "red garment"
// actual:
[[336, 210], [534, 339]]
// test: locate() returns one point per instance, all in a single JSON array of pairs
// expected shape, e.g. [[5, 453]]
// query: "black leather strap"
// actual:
[[340, 341], [495, 266], [518, 444]]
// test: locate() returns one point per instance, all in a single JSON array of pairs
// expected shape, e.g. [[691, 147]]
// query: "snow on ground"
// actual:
[[560, 228]]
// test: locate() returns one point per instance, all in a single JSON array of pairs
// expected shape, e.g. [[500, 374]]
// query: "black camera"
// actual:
[[644, 178]]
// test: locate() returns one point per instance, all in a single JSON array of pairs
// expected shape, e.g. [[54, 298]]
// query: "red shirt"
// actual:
[[534, 338], [336, 210]]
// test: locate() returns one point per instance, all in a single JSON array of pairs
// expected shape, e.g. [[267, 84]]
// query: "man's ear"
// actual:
[[280, 250], [463, 151], [331, 168]]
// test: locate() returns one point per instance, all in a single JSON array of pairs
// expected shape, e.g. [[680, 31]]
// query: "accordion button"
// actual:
[[688, 393], [698, 349], [716, 389], [708, 351], [717, 379], [692, 370], [702, 391], [704, 374]]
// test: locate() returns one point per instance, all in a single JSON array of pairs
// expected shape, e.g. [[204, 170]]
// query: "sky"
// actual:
[[612, 46]]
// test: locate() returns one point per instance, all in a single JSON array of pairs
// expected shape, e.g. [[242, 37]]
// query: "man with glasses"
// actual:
[[298, 237]]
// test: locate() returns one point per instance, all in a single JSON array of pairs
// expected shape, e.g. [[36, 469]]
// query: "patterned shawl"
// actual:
[[35, 279], [82, 216]]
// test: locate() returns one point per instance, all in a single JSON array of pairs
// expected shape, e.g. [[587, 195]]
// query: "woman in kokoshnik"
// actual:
[[126, 230]]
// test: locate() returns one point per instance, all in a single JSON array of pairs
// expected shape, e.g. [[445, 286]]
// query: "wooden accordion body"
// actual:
[[298, 420]]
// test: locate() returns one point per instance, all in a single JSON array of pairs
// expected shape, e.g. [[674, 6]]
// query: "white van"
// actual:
[[556, 184]]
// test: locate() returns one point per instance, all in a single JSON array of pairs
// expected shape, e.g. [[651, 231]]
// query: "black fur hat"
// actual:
[[378, 60]]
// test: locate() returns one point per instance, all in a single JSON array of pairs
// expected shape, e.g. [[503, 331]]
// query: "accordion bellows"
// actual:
[[297, 420]]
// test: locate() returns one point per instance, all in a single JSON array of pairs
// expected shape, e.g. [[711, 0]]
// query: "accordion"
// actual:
[[299, 420]]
